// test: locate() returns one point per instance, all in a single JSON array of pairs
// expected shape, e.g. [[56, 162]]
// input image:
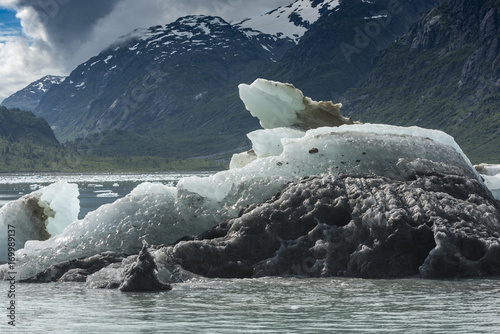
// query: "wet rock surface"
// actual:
[[76, 270], [141, 276], [433, 226]]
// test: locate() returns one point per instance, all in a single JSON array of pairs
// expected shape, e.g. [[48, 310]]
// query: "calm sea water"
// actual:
[[266, 305], [95, 189]]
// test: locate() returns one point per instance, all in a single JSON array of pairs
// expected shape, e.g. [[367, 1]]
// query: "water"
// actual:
[[266, 305], [95, 189]]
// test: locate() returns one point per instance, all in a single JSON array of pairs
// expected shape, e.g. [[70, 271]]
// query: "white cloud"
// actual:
[[60, 34], [23, 61]]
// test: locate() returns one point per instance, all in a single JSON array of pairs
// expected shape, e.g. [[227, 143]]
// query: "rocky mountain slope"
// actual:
[[29, 97], [338, 50], [17, 125], [290, 21], [172, 90], [27, 142], [160, 91], [443, 74]]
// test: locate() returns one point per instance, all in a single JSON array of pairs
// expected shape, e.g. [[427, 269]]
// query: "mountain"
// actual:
[[444, 74], [338, 50], [27, 142], [163, 90], [29, 97], [290, 21], [171, 90], [18, 125]]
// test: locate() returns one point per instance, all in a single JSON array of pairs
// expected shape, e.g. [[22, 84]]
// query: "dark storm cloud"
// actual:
[[58, 35], [68, 21]]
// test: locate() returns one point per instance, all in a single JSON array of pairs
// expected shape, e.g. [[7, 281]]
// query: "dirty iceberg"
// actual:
[[292, 145]]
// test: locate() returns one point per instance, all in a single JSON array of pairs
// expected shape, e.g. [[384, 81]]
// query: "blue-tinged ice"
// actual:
[[281, 154]]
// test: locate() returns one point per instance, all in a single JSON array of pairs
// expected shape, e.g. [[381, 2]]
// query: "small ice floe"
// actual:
[[35, 186], [106, 193]]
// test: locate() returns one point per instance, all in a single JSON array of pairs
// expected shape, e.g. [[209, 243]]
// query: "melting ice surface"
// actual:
[[39, 215], [161, 214], [491, 176]]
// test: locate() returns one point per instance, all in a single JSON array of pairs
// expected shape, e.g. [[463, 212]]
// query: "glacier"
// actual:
[[290, 147]]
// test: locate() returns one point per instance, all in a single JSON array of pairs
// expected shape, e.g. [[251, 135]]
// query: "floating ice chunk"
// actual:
[[278, 104], [240, 160], [162, 214], [39, 215], [265, 143], [146, 188], [393, 152], [493, 183], [108, 194], [488, 169], [25, 219], [491, 175], [151, 212], [384, 129], [63, 200]]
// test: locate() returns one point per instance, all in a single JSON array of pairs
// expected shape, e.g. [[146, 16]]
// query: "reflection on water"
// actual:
[[267, 305]]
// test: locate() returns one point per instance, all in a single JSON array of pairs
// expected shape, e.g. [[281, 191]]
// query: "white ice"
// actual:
[[162, 214], [491, 176], [275, 104], [34, 216], [63, 200]]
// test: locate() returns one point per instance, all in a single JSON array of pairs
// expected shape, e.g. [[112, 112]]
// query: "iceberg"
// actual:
[[301, 138], [40, 214], [491, 175], [278, 104]]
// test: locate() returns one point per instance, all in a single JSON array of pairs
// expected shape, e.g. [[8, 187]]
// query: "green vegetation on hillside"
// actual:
[[445, 82], [27, 144], [430, 97], [17, 125], [24, 157]]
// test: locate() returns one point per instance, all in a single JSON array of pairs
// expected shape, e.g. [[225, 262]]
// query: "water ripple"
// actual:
[[267, 305]]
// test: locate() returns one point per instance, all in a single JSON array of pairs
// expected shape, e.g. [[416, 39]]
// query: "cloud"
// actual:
[[58, 35], [22, 62]]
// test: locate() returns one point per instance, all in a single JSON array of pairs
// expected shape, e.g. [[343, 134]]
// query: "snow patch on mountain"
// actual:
[[28, 97], [290, 21]]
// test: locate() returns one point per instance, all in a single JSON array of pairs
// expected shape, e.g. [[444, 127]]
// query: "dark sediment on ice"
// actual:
[[76, 270], [141, 276], [433, 226]]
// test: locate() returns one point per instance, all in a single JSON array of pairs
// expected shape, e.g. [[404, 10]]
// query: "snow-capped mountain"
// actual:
[[197, 33], [160, 80], [29, 97], [290, 21], [171, 90]]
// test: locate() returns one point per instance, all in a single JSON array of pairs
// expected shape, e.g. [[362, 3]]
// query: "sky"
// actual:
[[42, 37]]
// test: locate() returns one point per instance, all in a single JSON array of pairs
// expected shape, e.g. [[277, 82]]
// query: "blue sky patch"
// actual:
[[10, 25]]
